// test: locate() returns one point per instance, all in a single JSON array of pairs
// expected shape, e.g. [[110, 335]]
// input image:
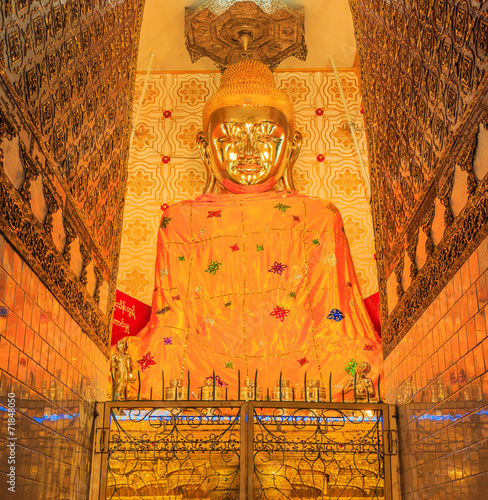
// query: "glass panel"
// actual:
[[318, 453], [174, 453]]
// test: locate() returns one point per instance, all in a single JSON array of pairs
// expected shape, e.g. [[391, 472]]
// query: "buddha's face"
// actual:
[[363, 369], [249, 145], [122, 345]]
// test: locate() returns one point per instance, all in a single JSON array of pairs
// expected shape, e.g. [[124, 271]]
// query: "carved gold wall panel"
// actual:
[[423, 74], [164, 166], [66, 74]]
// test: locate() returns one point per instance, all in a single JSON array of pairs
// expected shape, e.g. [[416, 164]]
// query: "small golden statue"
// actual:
[[121, 368], [364, 386]]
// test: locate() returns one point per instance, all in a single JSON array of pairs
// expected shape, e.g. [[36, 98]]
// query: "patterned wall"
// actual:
[[164, 166], [56, 373], [423, 74], [66, 78], [66, 82], [425, 85], [438, 378]]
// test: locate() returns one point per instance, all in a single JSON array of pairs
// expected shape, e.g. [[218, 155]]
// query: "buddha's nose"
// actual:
[[249, 150]]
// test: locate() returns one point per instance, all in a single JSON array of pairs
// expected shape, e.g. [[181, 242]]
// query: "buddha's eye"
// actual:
[[263, 139], [233, 139]]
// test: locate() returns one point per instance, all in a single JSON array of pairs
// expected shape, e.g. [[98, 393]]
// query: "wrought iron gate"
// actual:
[[243, 450]]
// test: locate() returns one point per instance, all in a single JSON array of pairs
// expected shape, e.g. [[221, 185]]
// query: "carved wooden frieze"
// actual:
[[423, 71], [67, 72], [71, 65]]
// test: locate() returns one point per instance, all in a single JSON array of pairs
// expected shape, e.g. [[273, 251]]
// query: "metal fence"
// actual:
[[243, 450]]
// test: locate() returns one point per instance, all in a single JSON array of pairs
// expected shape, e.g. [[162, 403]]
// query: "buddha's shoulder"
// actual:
[[218, 205], [200, 206], [319, 205]]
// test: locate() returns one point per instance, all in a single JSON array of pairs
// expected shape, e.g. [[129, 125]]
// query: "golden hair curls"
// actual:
[[248, 83]]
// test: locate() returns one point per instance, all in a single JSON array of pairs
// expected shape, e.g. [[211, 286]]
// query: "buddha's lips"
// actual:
[[246, 168]]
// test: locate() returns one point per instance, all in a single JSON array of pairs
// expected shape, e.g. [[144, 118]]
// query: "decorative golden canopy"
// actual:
[[231, 30]]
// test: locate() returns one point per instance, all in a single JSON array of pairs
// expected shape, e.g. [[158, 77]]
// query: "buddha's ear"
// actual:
[[296, 144], [204, 151]]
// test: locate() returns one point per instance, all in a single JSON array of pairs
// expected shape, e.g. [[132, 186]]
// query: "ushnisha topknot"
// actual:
[[248, 83]]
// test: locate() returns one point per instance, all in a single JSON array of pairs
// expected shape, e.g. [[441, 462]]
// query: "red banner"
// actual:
[[130, 316], [372, 304]]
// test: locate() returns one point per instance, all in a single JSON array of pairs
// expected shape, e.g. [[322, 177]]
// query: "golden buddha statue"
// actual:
[[121, 368], [251, 275]]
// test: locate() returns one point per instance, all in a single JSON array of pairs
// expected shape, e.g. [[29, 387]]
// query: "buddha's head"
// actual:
[[122, 346], [249, 142], [363, 369]]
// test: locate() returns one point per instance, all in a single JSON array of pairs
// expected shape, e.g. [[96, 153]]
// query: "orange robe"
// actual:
[[255, 282]]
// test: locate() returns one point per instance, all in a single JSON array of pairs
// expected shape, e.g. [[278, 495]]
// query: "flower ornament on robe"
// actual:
[[164, 207], [234, 248], [280, 312], [303, 361], [296, 218], [331, 260], [351, 367], [316, 242], [209, 319], [163, 272], [213, 267], [214, 213], [229, 365], [165, 159], [163, 310], [369, 347], [218, 381], [181, 258], [336, 315], [259, 248], [164, 222], [146, 362], [283, 208], [167, 341], [277, 268], [176, 297]]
